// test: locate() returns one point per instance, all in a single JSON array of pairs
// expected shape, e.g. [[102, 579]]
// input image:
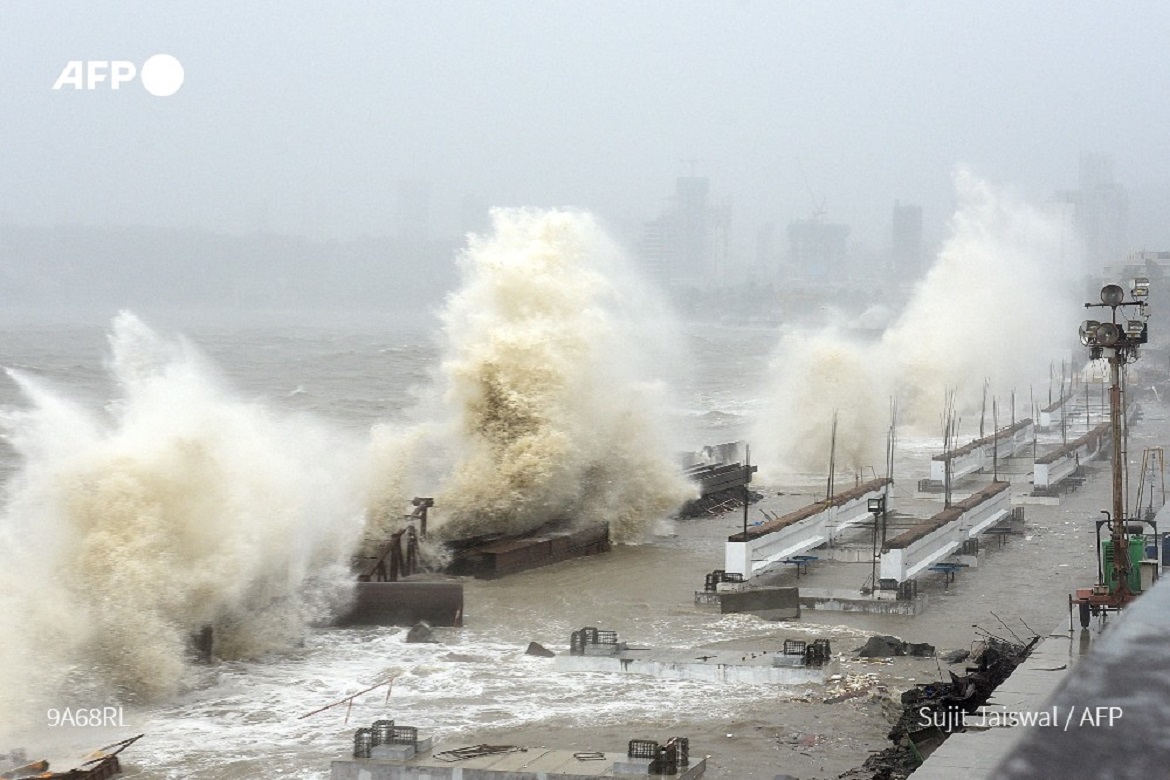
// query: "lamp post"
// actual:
[[877, 508], [1118, 341]]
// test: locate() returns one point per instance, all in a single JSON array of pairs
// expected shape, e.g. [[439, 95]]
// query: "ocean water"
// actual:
[[164, 474], [236, 716], [241, 718]]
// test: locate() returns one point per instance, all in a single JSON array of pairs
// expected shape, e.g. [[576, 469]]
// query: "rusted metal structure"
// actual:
[[717, 477], [389, 591], [402, 563], [403, 556], [488, 557]]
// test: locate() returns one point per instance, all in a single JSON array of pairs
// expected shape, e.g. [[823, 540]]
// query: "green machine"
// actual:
[[1137, 549]]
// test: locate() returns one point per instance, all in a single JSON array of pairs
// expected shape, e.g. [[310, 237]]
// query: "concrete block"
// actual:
[[632, 766], [784, 601], [787, 660], [392, 752], [405, 603]]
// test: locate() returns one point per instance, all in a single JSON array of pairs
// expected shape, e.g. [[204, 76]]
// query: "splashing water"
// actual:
[[177, 508], [994, 306], [546, 413]]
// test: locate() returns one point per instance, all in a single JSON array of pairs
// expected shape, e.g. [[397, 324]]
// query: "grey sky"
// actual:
[[310, 115]]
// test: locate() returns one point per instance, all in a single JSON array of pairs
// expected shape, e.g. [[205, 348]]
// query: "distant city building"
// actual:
[[1099, 213], [818, 250], [658, 245], [687, 243], [692, 218], [767, 253], [906, 260]]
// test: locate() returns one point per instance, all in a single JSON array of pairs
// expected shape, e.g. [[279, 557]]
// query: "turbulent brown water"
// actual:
[[546, 404], [238, 719], [156, 484]]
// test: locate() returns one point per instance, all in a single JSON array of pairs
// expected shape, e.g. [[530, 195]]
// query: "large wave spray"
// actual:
[[547, 412], [994, 306], [177, 508]]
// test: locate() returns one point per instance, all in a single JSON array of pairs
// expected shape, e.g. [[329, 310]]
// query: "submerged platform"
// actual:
[[489, 558], [769, 603], [387, 751], [523, 764], [793, 662], [852, 600], [734, 666]]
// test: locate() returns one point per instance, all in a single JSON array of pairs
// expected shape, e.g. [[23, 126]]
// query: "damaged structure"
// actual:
[[496, 555], [387, 751], [796, 662], [392, 589]]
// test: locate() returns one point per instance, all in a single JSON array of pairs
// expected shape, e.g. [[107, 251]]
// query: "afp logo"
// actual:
[[161, 75]]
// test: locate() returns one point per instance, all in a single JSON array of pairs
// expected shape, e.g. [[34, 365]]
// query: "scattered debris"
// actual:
[[880, 646], [955, 656], [102, 764], [348, 700], [476, 751], [943, 703], [420, 632], [718, 502], [853, 686], [537, 649]]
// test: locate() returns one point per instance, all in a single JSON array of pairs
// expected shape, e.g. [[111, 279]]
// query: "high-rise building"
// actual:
[[906, 241], [658, 246], [1100, 212], [766, 249], [818, 250], [691, 214], [687, 243]]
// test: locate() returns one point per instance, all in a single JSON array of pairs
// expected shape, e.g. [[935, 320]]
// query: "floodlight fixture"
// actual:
[[1139, 287], [1112, 295], [1089, 332], [1107, 334]]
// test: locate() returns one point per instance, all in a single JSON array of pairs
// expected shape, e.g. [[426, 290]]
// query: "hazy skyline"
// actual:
[[307, 119]]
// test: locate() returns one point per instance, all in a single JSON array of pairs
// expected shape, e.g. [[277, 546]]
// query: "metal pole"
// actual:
[[873, 555], [747, 474], [1121, 563], [832, 460]]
